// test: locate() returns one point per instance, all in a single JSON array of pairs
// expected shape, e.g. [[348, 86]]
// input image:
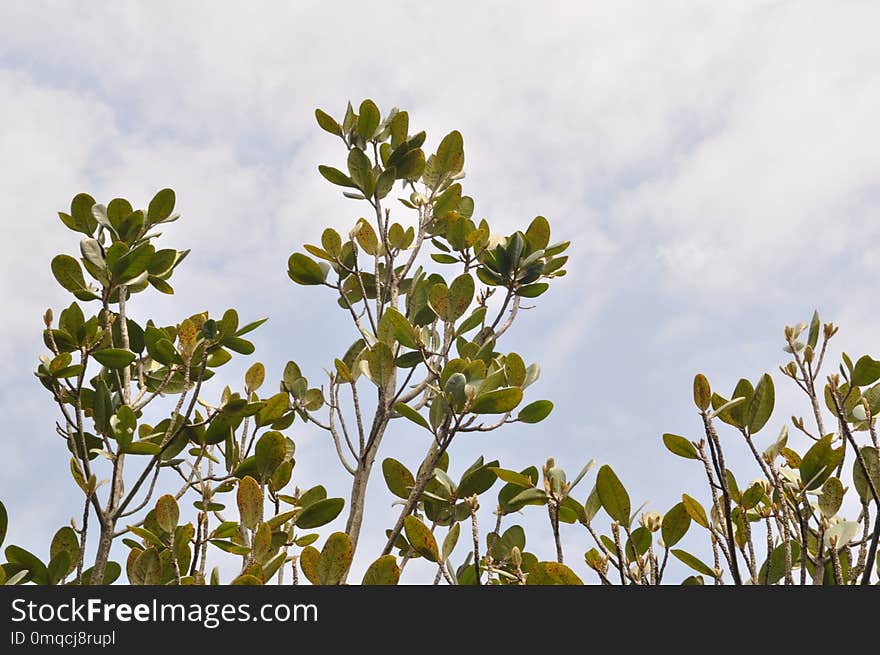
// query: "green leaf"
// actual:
[[246, 580], [695, 510], [254, 377], [530, 496], [4, 523], [702, 392], [366, 237], [161, 206], [450, 541], [680, 446], [399, 127], [571, 511], [148, 567], [59, 567], [167, 513], [270, 452], [399, 479], [461, 294], [675, 525], [532, 290], [819, 462], [381, 362], [421, 538], [81, 213], [815, 327], [274, 409], [114, 358], [395, 324], [384, 571], [308, 562], [335, 560], [739, 414], [613, 495], [304, 270], [538, 233], [761, 404], [408, 412], [450, 155], [250, 502], [474, 320], [230, 547], [694, 562], [312, 495], [111, 574], [860, 480], [368, 119], [831, 497], [477, 479], [512, 477], [777, 563], [384, 184], [261, 545], [535, 412], [638, 544], [552, 573], [132, 264], [866, 371], [361, 171], [35, 567], [411, 165], [499, 401], [328, 123], [70, 276], [66, 541], [752, 496], [319, 513], [438, 299], [336, 176], [331, 241]]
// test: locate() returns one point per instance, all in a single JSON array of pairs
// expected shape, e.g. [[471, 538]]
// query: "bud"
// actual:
[[789, 333], [418, 199], [830, 330], [516, 556], [808, 353], [651, 521], [473, 503], [47, 318], [596, 561]]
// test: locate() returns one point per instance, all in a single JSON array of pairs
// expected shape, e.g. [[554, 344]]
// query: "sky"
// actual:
[[715, 166]]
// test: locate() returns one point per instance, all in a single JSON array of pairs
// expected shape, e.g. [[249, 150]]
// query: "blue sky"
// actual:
[[714, 165]]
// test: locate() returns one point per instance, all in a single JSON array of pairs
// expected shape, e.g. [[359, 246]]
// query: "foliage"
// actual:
[[427, 355]]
